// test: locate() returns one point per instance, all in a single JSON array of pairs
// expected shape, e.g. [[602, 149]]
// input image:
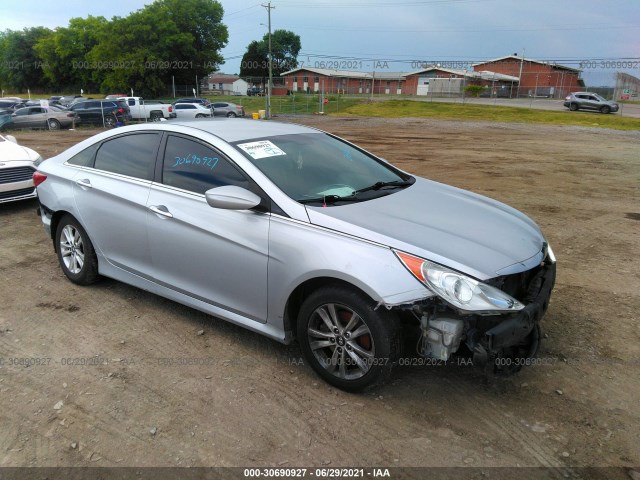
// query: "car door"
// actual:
[[19, 118], [37, 117], [215, 255], [111, 198], [185, 110]]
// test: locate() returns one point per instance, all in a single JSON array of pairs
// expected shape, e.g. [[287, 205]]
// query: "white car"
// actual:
[[191, 110], [17, 166]]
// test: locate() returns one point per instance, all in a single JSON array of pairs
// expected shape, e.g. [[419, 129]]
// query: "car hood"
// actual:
[[10, 151], [462, 230]]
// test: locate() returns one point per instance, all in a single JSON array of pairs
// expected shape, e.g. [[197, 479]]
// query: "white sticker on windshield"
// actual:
[[261, 149]]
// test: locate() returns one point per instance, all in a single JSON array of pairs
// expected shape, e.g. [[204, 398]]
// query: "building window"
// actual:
[[306, 79], [316, 79]]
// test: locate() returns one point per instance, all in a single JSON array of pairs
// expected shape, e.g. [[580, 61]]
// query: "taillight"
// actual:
[[121, 110], [170, 109], [38, 178]]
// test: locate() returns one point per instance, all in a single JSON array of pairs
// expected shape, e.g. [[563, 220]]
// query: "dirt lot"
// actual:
[[250, 401]]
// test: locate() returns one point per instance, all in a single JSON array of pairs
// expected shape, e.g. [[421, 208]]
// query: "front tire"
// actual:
[[76, 254], [605, 109], [348, 343], [199, 115]]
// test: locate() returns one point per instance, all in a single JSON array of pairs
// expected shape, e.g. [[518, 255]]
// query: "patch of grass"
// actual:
[[288, 104], [451, 111]]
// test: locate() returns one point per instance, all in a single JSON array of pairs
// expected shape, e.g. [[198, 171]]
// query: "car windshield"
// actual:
[[316, 168]]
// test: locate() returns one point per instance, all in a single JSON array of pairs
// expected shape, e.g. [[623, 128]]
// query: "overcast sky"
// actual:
[[392, 35]]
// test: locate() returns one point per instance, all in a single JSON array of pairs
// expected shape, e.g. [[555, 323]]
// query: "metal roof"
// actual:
[[520, 59]]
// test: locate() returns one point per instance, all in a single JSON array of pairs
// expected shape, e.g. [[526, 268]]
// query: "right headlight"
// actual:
[[459, 290]]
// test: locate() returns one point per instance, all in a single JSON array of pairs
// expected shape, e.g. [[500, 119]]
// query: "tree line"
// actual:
[[144, 51]]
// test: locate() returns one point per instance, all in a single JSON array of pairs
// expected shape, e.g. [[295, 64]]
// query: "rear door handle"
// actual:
[[161, 210], [84, 183]]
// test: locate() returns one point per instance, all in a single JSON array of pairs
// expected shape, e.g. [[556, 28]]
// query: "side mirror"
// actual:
[[231, 197]]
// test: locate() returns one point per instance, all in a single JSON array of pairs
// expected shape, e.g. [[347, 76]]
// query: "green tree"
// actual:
[[63, 53], [20, 66], [285, 47], [179, 38]]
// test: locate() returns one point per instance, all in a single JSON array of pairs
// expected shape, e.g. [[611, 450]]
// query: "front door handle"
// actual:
[[84, 183], [161, 210]]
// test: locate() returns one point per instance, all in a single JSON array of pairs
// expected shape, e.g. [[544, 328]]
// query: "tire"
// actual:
[[573, 107], [231, 115], [605, 109], [156, 116], [75, 251], [53, 124], [110, 121], [348, 343]]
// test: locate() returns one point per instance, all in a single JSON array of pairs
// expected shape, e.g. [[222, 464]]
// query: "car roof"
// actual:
[[228, 129], [235, 130]]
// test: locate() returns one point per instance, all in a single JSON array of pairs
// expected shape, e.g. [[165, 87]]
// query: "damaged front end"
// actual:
[[500, 327]]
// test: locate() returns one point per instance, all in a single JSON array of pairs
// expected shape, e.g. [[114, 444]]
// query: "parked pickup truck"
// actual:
[[151, 110]]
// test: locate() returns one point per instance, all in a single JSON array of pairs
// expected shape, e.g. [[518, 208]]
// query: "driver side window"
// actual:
[[196, 167]]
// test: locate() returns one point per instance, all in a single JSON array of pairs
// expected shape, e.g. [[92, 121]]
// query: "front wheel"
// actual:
[[348, 343], [605, 109], [199, 115], [75, 252]]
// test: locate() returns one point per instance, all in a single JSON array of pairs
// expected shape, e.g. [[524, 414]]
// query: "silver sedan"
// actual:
[[42, 117], [297, 234]]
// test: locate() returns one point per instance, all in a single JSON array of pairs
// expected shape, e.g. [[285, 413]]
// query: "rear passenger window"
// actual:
[[85, 157], [132, 155], [196, 167]]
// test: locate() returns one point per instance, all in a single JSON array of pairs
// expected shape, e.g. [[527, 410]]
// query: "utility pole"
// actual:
[[269, 8], [520, 74]]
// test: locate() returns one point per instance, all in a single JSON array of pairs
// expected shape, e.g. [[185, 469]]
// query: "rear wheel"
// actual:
[[53, 124], [348, 343], [231, 115], [75, 252], [156, 116], [110, 121], [605, 109], [573, 107]]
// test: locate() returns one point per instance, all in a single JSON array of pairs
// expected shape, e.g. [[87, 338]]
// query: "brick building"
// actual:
[[434, 80], [537, 79]]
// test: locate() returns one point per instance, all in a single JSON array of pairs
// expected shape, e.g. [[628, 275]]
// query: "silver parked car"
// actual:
[[41, 117], [295, 233], [589, 101]]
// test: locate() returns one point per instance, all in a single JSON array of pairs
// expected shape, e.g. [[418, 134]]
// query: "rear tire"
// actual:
[[348, 343], [573, 107], [231, 115], [75, 251], [156, 116], [109, 121], [53, 124]]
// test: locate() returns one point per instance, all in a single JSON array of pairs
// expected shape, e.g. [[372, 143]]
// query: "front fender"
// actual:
[[299, 252]]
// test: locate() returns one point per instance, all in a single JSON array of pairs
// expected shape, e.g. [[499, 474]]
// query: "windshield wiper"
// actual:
[[325, 199], [379, 185]]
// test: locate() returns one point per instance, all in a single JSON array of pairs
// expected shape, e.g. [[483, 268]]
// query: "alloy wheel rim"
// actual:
[[72, 249], [341, 341]]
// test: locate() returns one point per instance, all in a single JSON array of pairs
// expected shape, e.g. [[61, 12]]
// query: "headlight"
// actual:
[[457, 289]]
